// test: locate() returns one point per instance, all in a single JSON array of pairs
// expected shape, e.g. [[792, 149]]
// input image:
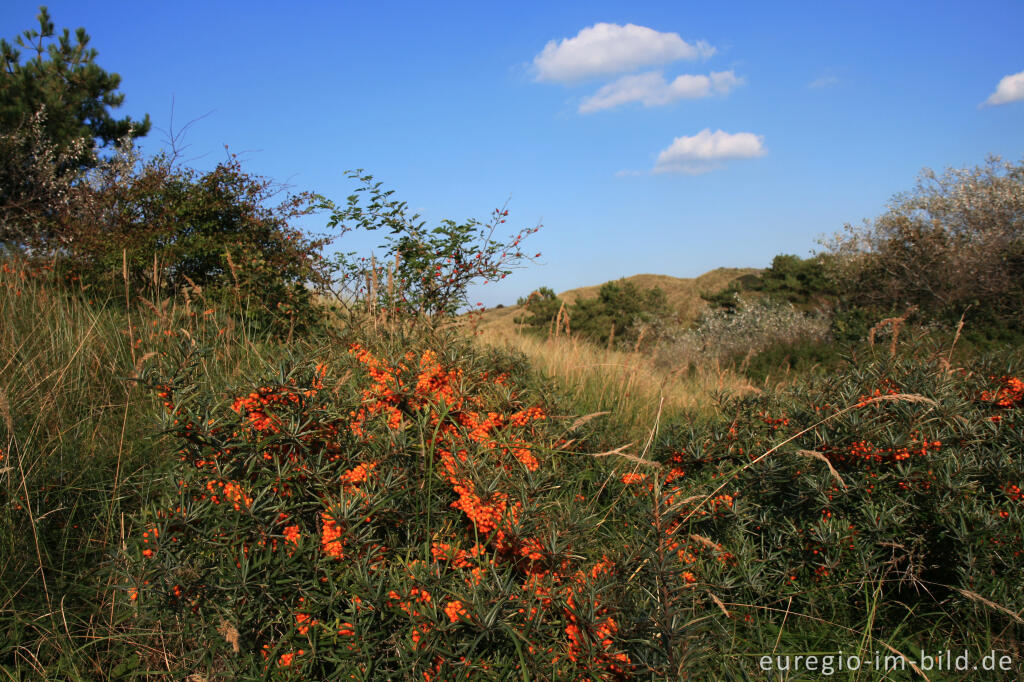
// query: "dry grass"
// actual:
[[683, 293], [627, 385]]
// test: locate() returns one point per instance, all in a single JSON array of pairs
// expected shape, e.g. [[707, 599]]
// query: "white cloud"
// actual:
[[698, 153], [605, 49], [653, 90], [823, 82], [1010, 89]]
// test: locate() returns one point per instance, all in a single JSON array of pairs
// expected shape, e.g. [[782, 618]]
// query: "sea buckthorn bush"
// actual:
[[893, 489], [411, 508], [378, 514]]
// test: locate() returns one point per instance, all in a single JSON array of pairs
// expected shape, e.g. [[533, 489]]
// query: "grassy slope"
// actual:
[[683, 294], [627, 385]]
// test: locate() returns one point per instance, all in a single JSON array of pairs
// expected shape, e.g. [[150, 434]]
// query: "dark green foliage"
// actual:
[[214, 235], [541, 308], [803, 282], [780, 361], [620, 310], [538, 298], [724, 299], [852, 323], [62, 78]]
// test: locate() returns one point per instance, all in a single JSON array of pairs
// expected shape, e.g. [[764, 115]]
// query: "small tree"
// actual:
[[620, 310], [541, 307], [424, 272]]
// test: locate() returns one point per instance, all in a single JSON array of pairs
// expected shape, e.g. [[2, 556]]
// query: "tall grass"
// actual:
[[74, 439], [629, 386], [79, 439]]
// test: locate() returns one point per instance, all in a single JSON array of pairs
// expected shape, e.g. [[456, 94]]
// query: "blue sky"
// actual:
[[661, 137]]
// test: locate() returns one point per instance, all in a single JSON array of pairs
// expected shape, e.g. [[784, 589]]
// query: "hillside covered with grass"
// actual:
[[682, 294]]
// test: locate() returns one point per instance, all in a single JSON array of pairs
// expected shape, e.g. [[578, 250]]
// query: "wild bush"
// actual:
[[391, 513], [621, 312], [952, 245], [216, 236], [403, 511], [804, 282], [731, 336], [423, 273]]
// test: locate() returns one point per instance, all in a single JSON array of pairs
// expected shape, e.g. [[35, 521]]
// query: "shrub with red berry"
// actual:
[[423, 271]]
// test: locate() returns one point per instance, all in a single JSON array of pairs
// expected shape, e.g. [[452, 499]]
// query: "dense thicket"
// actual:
[[804, 282], [952, 245]]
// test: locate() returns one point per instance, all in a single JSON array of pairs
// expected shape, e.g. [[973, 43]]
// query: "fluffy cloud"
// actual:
[[605, 49], [653, 90], [1010, 89], [700, 153]]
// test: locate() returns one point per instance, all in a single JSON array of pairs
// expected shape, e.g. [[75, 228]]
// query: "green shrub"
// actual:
[[803, 282], [424, 273], [541, 310], [952, 246], [620, 312], [787, 360], [163, 229]]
